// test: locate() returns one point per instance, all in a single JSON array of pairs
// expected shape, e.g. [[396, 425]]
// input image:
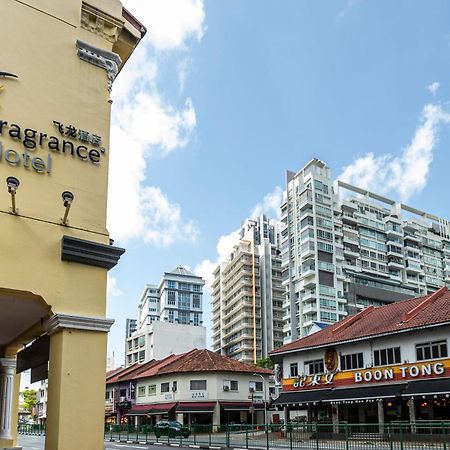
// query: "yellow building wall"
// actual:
[[39, 45]]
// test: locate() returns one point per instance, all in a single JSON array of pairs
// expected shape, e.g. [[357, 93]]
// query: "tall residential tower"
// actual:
[[247, 296], [177, 301], [345, 248]]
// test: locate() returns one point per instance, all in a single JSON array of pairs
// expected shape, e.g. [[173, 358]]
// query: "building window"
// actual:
[[431, 350], [185, 286], [152, 389], [165, 387], [174, 386], [230, 385], [387, 356], [255, 386], [198, 385], [122, 393], [130, 345], [141, 341], [107, 395], [197, 287], [171, 316], [183, 317], [142, 356], [184, 301], [196, 319], [141, 391], [353, 361], [294, 370], [171, 284], [171, 297], [313, 367], [196, 301], [129, 359]]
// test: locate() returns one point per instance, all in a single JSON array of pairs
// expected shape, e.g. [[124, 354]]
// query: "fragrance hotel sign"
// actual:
[[421, 370], [34, 149]]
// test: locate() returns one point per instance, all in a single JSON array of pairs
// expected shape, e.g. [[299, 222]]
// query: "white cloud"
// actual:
[[270, 204], [433, 87], [407, 173], [170, 23], [112, 288], [146, 125]]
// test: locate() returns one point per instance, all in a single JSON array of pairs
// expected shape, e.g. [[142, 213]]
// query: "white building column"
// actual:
[[7, 372]]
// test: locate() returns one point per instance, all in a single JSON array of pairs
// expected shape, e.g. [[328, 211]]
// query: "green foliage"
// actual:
[[29, 399], [267, 363]]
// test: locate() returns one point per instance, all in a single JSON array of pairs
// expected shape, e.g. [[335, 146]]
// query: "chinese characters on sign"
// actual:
[[81, 135]]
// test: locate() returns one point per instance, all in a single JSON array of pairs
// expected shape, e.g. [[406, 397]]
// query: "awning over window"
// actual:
[[364, 393], [157, 408], [240, 406], [301, 398], [196, 407], [428, 388]]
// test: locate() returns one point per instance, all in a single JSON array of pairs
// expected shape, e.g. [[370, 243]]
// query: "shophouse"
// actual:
[[382, 364], [198, 387]]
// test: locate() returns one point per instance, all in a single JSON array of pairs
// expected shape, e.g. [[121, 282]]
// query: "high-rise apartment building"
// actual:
[[176, 300], [247, 296], [345, 248]]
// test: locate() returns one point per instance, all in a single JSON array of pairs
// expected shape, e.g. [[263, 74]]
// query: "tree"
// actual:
[[29, 399], [267, 363]]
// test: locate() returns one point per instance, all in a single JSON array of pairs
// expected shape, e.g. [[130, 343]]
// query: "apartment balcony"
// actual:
[[396, 234], [308, 281], [413, 269], [397, 253], [349, 218], [346, 204], [351, 239], [395, 265], [351, 252], [409, 227], [310, 309], [307, 250]]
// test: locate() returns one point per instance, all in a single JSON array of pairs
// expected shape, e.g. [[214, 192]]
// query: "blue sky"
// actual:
[[224, 95]]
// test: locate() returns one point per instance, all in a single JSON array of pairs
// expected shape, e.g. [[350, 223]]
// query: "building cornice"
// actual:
[[99, 57], [66, 321], [90, 253]]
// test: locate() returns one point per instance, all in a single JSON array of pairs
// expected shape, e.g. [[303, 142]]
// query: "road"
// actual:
[[37, 443]]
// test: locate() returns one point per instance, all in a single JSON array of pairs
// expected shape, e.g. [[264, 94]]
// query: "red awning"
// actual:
[[240, 406], [196, 407], [155, 408]]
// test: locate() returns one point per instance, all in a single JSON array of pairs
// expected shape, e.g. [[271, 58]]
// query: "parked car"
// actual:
[[172, 429]]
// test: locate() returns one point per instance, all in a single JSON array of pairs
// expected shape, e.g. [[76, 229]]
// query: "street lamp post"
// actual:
[[265, 396]]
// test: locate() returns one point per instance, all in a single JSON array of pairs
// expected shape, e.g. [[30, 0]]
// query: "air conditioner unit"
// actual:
[[226, 388]]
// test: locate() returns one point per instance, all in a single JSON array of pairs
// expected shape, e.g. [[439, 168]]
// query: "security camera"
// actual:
[[13, 183]]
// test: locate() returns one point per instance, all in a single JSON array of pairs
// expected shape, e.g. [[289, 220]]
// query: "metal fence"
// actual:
[[302, 436]]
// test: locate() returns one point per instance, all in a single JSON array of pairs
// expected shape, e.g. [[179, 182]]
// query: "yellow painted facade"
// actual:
[[46, 44]]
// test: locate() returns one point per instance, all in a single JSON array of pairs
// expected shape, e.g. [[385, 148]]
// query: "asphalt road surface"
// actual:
[[37, 443]]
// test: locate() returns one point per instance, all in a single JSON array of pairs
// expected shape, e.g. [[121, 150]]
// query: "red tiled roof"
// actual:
[[192, 361], [395, 317], [207, 361]]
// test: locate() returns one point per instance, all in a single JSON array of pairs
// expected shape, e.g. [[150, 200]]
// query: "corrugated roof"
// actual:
[[395, 317]]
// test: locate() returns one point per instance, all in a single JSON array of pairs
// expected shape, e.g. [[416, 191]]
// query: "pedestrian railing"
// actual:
[[31, 429], [433, 435]]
